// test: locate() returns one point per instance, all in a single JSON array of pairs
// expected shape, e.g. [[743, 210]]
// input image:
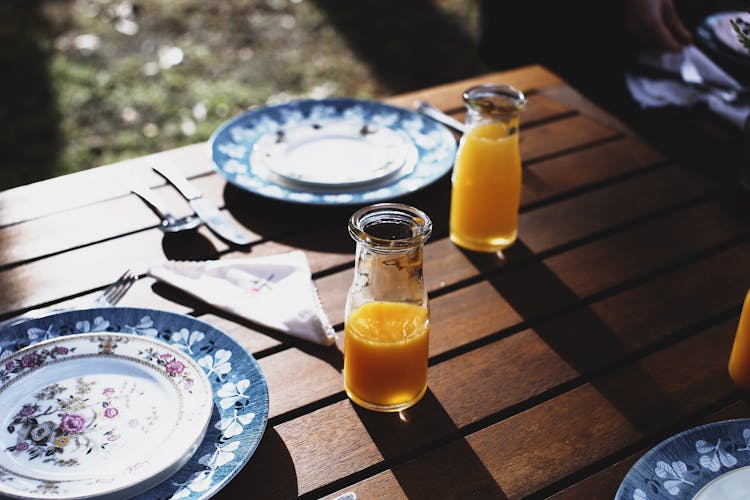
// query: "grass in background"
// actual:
[[91, 82]]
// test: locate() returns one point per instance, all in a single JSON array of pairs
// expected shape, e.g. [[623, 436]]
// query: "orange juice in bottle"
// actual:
[[385, 360], [486, 178], [739, 358], [386, 330]]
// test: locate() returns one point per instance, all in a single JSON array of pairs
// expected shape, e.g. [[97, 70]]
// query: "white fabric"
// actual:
[[654, 92], [276, 291]]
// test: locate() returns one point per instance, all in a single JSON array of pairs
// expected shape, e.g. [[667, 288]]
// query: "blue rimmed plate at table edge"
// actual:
[[680, 466]]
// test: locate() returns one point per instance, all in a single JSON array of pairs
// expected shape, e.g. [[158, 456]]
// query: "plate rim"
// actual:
[[165, 467], [642, 462], [316, 198], [710, 21], [251, 435], [707, 37]]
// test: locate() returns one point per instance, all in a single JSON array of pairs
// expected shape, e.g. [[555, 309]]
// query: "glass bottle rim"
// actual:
[[366, 218], [494, 99]]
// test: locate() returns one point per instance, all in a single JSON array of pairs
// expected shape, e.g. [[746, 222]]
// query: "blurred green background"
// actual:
[[90, 82]]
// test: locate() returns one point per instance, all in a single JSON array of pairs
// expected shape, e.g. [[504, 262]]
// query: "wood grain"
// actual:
[[605, 329]]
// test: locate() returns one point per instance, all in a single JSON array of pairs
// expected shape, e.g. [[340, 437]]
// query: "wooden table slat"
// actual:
[[518, 452]]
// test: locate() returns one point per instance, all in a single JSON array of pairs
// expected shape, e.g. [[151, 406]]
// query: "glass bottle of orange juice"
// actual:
[[486, 178], [387, 319], [739, 358]]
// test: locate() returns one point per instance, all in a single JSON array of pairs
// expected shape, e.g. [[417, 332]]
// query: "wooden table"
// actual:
[[606, 329]]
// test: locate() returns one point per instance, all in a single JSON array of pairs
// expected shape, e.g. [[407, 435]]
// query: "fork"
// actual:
[[110, 296]]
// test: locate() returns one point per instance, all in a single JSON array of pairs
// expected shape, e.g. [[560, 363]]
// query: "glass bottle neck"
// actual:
[[388, 263], [508, 123], [498, 104]]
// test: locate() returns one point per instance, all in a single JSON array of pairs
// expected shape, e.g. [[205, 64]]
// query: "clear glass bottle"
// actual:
[[387, 314], [486, 190], [739, 357]]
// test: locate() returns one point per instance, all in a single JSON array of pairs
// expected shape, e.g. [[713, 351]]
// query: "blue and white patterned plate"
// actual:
[[708, 462], [240, 396], [332, 151]]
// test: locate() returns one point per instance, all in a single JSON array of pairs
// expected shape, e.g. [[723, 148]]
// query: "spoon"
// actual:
[[428, 109], [169, 223]]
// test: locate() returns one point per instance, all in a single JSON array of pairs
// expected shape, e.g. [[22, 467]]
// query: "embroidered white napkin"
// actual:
[[276, 291], [655, 92]]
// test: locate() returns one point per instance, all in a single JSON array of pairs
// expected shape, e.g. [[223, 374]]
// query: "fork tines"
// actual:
[[114, 292]]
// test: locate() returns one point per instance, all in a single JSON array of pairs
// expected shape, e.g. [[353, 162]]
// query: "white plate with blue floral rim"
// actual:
[[332, 151], [709, 462], [98, 414], [239, 399]]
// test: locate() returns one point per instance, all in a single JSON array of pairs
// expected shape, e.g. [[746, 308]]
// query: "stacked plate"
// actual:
[[121, 402], [332, 151]]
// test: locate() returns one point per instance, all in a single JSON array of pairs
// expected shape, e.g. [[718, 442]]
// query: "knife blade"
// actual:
[[207, 211], [436, 114]]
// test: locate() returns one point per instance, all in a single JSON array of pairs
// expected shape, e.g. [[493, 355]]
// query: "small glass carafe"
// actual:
[[486, 179], [387, 314]]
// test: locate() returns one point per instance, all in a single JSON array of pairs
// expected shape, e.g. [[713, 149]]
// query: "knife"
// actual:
[[209, 213], [436, 114]]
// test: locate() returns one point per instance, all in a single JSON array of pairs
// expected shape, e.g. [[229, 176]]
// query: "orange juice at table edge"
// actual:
[[739, 359], [385, 355], [486, 178]]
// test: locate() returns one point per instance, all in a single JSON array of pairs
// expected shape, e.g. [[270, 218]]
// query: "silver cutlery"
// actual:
[[110, 296], [431, 111], [208, 212], [169, 223]]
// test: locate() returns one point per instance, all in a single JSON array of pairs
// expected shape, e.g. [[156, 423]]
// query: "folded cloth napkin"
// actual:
[[655, 92], [276, 291]]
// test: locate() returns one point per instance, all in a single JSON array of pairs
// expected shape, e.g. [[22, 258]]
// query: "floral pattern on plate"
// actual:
[[62, 423], [416, 151], [99, 413], [240, 394], [683, 465]]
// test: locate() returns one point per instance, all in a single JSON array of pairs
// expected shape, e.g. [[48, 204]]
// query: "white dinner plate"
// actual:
[[709, 462], [332, 151], [97, 414]]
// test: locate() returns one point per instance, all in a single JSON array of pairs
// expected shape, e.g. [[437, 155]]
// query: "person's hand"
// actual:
[[656, 24]]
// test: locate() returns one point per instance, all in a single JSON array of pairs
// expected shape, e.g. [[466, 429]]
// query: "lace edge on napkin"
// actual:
[[322, 317]]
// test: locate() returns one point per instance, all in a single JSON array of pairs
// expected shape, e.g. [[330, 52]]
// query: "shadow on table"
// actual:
[[281, 221], [274, 219], [270, 472], [448, 469], [188, 245], [577, 335]]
